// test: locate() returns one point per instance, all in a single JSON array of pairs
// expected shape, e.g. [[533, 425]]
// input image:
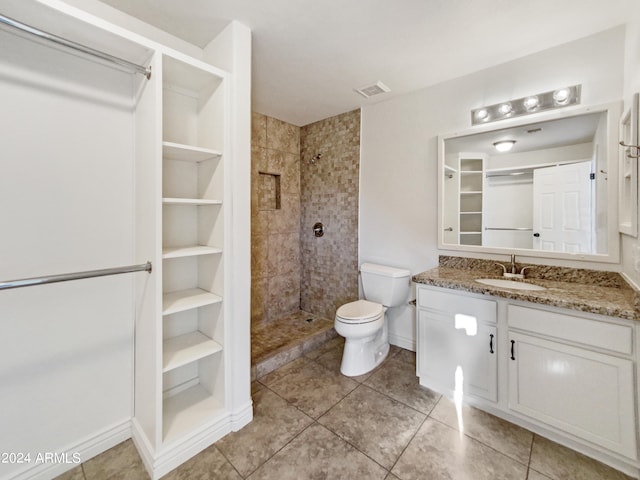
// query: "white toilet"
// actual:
[[362, 323]]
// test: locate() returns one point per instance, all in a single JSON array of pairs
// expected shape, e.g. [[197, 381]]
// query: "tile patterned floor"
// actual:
[[310, 422]]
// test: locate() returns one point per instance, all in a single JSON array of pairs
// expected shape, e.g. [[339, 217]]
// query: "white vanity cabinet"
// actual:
[[457, 337], [573, 373], [565, 374]]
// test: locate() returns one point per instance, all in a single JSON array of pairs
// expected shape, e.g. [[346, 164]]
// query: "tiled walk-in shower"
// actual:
[[301, 176]]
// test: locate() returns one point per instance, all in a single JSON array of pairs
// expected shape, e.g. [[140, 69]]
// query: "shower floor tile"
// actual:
[[280, 341]]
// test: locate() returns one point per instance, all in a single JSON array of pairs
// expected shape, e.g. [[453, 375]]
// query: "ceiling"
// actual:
[[309, 56]]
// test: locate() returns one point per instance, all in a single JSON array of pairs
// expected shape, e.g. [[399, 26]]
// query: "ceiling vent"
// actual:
[[371, 90]]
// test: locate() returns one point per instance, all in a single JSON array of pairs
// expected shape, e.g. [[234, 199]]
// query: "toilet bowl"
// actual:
[[363, 324], [366, 345]]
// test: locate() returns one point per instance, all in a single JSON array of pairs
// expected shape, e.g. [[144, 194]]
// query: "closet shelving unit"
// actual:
[[471, 179], [186, 381], [186, 347], [193, 239]]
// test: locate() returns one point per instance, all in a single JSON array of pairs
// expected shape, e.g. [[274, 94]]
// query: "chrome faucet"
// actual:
[[512, 271]]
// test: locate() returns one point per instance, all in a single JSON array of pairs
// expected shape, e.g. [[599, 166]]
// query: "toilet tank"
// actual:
[[388, 286]]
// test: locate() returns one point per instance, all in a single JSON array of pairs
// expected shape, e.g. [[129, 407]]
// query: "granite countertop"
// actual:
[[604, 293]]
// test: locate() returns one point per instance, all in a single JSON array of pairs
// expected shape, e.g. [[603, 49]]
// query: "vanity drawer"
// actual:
[[607, 336], [435, 300]]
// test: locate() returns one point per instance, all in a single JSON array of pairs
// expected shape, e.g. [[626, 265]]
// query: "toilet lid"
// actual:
[[359, 311]]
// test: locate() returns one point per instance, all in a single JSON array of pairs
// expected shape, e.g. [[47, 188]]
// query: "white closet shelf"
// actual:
[[190, 201], [189, 73], [188, 153], [183, 300], [191, 408], [195, 250], [187, 348]]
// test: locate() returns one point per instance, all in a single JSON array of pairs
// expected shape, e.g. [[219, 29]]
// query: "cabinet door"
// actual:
[[585, 393], [450, 357]]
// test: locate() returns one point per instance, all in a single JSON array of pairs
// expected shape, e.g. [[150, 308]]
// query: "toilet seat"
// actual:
[[360, 311]]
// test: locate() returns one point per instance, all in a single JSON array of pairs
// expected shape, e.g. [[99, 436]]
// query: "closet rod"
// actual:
[[146, 71], [511, 174], [65, 277], [519, 229]]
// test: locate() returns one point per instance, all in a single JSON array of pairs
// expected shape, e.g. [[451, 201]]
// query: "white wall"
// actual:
[[398, 184], [508, 203]]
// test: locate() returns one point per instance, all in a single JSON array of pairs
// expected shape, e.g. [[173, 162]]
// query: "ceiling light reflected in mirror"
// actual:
[[504, 145]]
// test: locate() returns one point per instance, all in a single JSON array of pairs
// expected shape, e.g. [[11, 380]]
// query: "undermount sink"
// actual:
[[499, 282]]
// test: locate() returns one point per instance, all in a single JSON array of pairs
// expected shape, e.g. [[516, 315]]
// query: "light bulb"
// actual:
[[561, 96], [482, 114], [505, 108], [531, 103]]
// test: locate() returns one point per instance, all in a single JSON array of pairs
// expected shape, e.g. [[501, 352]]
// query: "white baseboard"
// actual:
[[71, 456], [242, 416], [141, 442], [402, 342], [173, 455], [169, 458]]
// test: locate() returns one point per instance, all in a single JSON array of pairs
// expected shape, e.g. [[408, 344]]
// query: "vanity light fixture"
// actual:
[[504, 145], [559, 98]]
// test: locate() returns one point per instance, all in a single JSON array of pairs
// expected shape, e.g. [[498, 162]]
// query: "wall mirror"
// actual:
[[551, 192]]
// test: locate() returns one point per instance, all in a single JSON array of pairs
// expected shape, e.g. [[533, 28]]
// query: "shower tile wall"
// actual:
[[329, 194], [292, 269], [275, 218]]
